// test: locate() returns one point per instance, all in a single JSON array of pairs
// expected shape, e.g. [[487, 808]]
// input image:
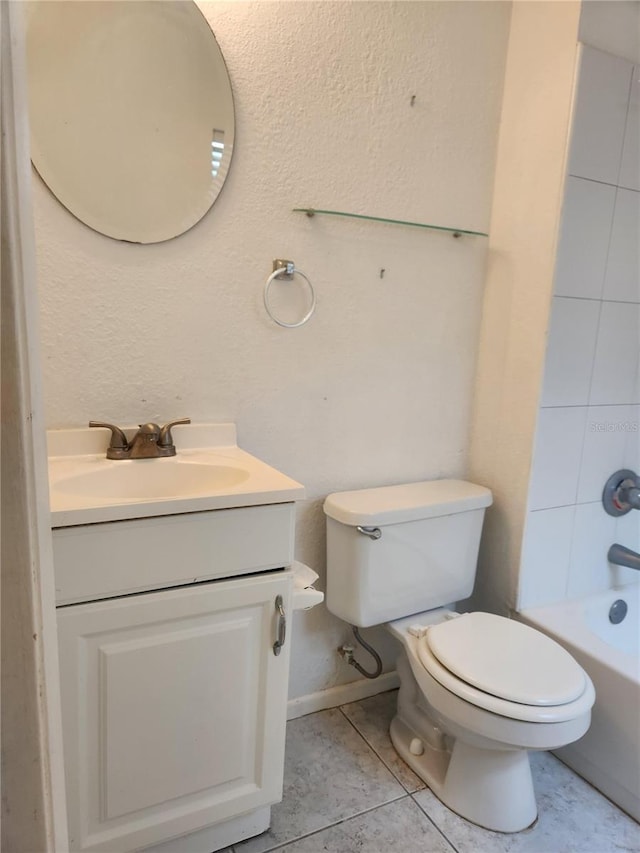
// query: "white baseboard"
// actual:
[[341, 695]]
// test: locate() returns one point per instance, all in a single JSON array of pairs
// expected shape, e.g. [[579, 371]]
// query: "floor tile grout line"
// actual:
[[416, 796], [377, 754], [351, 817], [285, 844], [410, 793], [371, 747], [432, 821]]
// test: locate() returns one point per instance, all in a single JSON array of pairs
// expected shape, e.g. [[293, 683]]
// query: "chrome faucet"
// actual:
[[621, 556], [150, 441]]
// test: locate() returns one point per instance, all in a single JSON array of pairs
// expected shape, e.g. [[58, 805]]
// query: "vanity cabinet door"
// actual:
[[174, 709]]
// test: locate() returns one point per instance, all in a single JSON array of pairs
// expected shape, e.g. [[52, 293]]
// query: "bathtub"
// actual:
[[608, 755]]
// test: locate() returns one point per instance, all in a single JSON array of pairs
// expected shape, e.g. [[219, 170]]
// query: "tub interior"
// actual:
[[608, 755]]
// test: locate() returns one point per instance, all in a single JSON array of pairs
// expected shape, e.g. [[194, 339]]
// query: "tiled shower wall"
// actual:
[[589, 416]]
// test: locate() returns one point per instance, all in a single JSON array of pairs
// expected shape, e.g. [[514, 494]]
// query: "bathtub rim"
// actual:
[[566, 621]]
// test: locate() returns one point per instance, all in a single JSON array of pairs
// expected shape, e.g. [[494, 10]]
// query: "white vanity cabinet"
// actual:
[[173, 586], [173, 698], [174, 709]]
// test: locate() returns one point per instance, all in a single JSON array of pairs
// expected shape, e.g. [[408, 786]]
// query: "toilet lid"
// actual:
[[506, 659]]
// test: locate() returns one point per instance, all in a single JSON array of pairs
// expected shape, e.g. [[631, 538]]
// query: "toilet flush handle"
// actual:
[[371, 532]]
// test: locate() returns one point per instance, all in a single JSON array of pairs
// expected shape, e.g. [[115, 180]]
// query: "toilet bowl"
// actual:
[[477, 691], [459, 732]]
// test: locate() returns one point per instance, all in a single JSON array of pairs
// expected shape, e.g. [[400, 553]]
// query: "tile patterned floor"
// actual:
[[346, 791]]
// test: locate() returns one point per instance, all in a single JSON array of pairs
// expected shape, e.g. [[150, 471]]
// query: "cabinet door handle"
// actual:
[[282, 626]]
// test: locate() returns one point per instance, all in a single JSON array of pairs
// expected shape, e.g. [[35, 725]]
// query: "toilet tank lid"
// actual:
[[407, 502]]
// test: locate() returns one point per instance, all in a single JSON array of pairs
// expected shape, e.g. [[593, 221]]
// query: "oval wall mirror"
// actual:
[[131, 113]]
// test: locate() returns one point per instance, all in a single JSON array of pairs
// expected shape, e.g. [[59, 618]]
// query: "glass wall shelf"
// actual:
[[457, 232]]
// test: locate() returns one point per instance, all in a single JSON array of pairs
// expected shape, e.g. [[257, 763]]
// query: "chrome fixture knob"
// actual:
[[618, 611], [621, 492]]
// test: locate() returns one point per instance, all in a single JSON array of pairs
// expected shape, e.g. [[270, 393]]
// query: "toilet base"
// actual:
[[490, 787]]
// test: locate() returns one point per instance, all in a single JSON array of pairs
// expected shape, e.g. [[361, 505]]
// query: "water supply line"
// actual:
[[347, 654]]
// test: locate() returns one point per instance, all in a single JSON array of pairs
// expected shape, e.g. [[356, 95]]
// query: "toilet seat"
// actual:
[[508, 659], [506, 668]]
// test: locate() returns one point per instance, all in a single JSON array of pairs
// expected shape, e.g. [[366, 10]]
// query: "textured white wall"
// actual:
[[377, 387]]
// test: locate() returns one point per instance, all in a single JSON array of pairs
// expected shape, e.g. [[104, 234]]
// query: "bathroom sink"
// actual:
[[209, 472], [142, 479]]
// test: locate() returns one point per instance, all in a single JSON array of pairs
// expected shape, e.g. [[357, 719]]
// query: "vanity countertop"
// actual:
[[208, 472]]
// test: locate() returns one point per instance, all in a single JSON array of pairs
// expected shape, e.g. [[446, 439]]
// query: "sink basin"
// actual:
[[149, 479], [209, 472]]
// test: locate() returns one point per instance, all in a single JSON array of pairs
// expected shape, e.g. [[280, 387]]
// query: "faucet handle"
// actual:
[[621, 492], [166, 439], [118, 445]]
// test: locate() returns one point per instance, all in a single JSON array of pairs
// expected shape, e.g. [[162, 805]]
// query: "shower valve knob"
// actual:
[[621, 492]]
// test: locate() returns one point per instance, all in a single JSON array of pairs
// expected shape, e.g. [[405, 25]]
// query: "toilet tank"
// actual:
[[425, 556]]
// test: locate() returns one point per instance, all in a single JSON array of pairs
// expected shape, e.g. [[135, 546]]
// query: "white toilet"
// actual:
[[476, 690]]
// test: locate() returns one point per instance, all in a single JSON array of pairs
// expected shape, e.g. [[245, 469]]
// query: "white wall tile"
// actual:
[[622, 279], [570, 352], [544, 567], [611, 28], [628, 526], [556, 461], [627, 531], [622, 576], [630, 167], [593, 533], [593, 350], [584, 238], [632, 449], [616, 361], [605, 444], [600, 116]]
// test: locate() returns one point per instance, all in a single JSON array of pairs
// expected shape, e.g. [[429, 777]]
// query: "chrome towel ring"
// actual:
[[281, 270]]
